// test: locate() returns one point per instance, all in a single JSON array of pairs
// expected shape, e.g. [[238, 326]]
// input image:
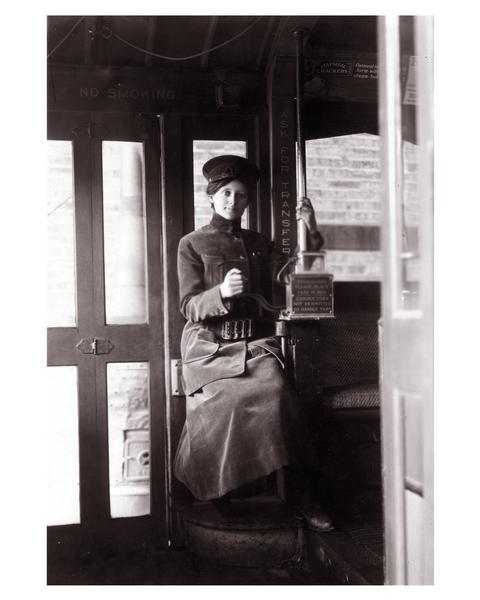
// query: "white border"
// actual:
[[456, 288]]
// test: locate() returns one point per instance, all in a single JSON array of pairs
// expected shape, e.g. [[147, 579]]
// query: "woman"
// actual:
[[242, 421]]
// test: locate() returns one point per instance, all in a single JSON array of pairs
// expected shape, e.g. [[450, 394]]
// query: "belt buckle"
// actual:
[[226, 330], [238, 329]]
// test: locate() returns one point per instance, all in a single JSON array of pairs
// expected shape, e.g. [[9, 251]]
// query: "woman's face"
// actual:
[[231, 200]]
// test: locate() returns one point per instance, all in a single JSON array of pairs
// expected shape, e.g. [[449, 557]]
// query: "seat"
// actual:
[[352, 397]]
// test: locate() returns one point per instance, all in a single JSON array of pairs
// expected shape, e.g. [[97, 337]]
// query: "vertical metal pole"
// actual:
[[298, 35]]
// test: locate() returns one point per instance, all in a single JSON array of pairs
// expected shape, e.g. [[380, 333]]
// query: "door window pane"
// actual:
[[203, 150], [124, 231], [63, 459], [129, 438], [409, 222], [409, 206], [61, 235]]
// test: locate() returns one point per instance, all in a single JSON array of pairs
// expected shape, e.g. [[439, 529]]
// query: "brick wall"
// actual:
[[343, 179], [344, 184]]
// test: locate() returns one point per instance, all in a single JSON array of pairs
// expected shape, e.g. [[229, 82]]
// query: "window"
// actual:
[[61, 235], [343, 183], [129, 438], [124, 230], [63, 451]]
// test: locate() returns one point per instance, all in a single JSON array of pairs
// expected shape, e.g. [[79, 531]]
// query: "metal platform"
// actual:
[[262, 532], [353, 553]]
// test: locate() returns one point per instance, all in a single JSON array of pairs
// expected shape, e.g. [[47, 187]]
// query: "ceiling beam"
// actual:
[[212, 26], [265, 41], [282, 24], [90, 29], [283, 42], [311, 26], [151, 31]]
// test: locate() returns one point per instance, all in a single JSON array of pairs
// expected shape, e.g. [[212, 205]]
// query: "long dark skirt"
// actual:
[[240, 429]]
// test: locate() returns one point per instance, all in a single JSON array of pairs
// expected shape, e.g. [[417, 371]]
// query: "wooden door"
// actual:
[[405, 83], [112, 337]]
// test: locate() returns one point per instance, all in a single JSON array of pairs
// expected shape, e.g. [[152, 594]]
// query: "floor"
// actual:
[[355, 549], [166, 568]]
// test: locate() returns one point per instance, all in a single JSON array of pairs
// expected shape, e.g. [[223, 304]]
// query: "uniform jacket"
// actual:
[[204, 257]]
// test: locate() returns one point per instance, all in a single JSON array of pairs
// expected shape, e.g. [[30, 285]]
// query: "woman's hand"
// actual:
[[233, 284], [307, 214]]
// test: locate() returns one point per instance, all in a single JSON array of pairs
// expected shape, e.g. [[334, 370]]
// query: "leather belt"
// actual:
[[241, 329]]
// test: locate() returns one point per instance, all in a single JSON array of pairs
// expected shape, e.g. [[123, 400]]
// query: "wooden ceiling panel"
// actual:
[[241, 53], [345, 34], [65, 39], [127, 40], [178, 37], [134, 30]]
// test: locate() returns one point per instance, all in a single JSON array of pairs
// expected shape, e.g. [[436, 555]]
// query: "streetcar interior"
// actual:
[[136, 105]]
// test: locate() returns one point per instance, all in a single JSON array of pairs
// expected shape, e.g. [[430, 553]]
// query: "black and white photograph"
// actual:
[[239, 299], [240, 277]]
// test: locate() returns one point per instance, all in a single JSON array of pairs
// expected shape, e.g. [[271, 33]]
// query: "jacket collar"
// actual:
[[225, 225]]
